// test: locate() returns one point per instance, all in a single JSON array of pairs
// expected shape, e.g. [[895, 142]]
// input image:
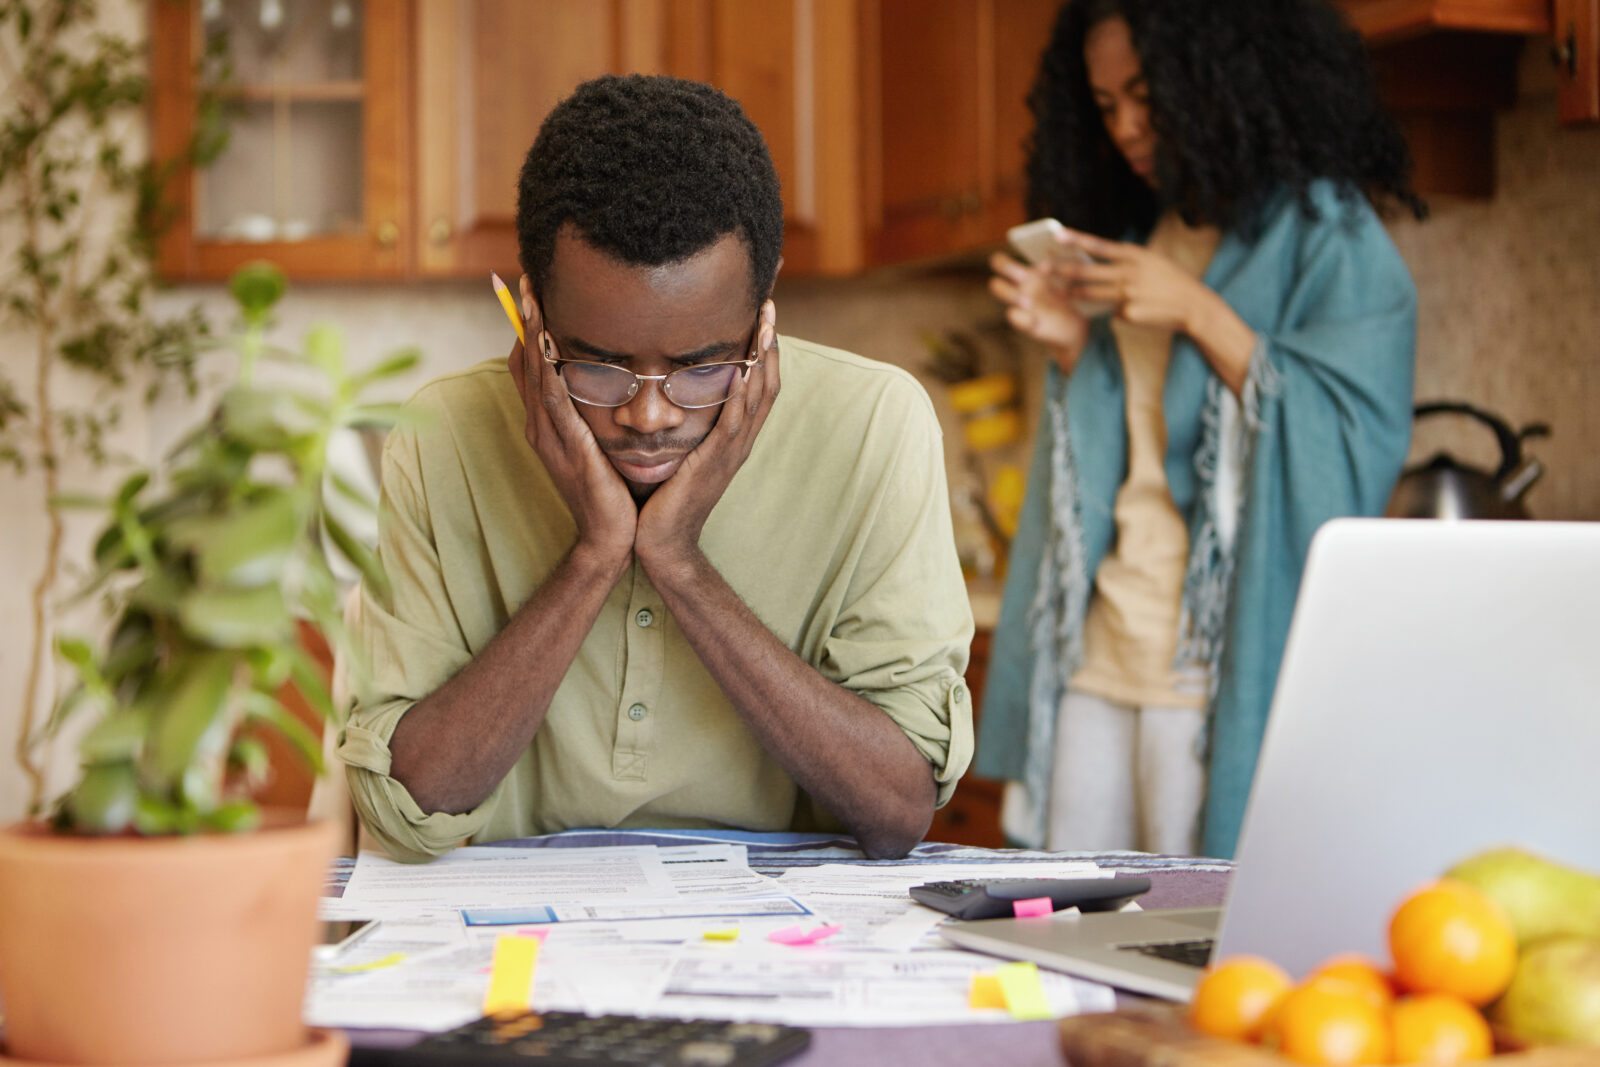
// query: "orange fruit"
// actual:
[[1235, 998], [1359, 974], [1438, 1029], [1330, 1024], [1448, 937]]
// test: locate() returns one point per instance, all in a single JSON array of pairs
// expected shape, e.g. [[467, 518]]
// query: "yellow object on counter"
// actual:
[[993, 431], [1006, 490], [975, 394]]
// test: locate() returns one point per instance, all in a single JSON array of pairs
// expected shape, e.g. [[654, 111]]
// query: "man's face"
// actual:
[[651, 320]]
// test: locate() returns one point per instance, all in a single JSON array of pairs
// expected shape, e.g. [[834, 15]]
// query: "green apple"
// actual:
[[1542, 898], [1554, 996]]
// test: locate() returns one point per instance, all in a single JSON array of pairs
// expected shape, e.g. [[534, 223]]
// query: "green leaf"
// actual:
[[325, 349], [268, 709], [235, 817], [267, 420], [193, 725], [246, 547], [364, 559], [377, 416], [76, 651], [248, 757], [105, 798], [236, 618], [117, 737], [389, 367], [256, 287], [155, 817], [309, 681]]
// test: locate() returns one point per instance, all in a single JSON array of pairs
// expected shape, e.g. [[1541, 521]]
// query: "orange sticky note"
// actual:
[[1023, 993], [511, 978], [985, 992]]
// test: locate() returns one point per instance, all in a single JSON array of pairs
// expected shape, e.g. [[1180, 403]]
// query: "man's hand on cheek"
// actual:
[[595, 493], [671, 520]]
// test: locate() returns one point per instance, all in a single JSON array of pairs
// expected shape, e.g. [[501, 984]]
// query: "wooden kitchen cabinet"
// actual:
[[1576, 30], [896, 126], [949, 79], [1384, 21], [316, 172], [487, 73]]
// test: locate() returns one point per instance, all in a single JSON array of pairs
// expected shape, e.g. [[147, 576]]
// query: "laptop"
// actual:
[[1439, 695]]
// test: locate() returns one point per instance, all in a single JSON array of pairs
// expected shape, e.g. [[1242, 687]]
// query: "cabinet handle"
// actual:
[[950, 209], [971, 203], [1564, 54], [388, 234], [439, 231]]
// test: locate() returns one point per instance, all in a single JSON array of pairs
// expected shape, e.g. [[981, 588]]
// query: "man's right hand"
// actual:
[[595, 493], [1038, 305]]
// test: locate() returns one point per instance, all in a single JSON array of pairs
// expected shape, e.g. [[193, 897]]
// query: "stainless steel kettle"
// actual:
[[1443, 488]]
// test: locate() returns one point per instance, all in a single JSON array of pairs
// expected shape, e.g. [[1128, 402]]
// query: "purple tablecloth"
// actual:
[[1175, 882]]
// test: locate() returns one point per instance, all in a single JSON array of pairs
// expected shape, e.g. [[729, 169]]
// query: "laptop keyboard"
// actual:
[[1193, 953]]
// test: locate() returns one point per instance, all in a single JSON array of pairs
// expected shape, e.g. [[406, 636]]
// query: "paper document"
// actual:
[[482, 876]]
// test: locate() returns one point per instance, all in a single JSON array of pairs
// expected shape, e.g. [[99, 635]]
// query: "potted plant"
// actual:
[[157, 916]]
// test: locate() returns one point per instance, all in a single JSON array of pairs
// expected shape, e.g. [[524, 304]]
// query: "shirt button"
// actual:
[[645, 617], [636, 712]]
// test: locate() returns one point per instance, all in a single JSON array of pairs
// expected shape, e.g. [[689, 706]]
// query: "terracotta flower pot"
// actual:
[[159, 950]]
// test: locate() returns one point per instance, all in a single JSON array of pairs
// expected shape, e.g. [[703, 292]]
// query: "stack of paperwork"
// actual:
[[683, 930]]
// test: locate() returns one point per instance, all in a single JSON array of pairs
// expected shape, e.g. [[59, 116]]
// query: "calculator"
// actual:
[[572, 1039], [994, 898]]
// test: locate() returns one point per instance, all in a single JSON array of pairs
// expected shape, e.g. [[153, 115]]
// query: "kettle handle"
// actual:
[[1510, 440]]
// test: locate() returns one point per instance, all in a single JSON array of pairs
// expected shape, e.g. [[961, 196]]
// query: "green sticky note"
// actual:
[[1019, 982]]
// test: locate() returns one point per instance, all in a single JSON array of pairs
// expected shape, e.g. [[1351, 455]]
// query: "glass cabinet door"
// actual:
[[311, 99]]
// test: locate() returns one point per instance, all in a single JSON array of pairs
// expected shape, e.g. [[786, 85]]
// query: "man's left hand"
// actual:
[[671, 520]]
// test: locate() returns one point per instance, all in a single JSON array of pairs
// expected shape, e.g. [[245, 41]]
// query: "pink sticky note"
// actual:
[[1032, 907], [794, 935]]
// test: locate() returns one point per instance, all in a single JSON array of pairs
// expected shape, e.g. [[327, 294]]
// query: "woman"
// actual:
[[1220, 163]]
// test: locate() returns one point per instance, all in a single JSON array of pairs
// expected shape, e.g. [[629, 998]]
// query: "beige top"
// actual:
[[1131, 631], [836, 532]]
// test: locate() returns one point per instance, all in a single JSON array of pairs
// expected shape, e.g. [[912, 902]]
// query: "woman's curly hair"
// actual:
[[1247, 97]]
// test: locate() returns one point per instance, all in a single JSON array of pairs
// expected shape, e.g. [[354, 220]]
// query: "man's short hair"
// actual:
[[650, 170]]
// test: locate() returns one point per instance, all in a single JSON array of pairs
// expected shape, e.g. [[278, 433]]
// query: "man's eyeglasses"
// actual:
[[605, 385]]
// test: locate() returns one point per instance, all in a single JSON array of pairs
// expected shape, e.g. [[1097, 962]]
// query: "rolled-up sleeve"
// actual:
[[412, 644], [904, 632]]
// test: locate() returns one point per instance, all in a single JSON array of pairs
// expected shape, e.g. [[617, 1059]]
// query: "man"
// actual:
[[631, 585]]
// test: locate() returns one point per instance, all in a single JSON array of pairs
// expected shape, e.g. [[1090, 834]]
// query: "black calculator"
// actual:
[[571, 1039], [994, 898]]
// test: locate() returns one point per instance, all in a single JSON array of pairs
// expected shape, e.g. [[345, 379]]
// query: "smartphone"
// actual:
[[1039, 243]]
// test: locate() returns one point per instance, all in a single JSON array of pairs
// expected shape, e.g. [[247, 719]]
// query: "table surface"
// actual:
[[1175, 882]]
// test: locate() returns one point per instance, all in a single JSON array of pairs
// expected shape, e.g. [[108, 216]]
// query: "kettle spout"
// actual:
[[1520, 480]]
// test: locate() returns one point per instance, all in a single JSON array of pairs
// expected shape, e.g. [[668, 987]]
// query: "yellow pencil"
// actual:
[[506, 302]]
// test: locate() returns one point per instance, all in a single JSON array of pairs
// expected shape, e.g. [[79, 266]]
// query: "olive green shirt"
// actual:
[[836, 532]]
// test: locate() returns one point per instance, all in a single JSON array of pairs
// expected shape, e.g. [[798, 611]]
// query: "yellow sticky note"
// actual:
[[371, 965], [511, 980], [1024, 995], [731, 934], [985, 992]]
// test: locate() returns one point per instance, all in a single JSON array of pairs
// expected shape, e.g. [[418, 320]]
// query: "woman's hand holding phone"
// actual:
[[1039, 302]]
